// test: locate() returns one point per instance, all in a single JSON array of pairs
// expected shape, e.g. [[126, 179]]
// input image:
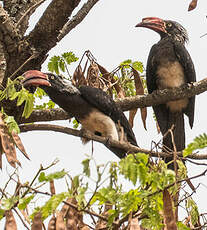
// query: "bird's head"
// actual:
[[166, 28], [47, 81]]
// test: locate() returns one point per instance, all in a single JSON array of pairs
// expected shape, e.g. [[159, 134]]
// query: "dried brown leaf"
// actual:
[[85, 227], [93, 77], [168, 213], [78, 77], [132, 114], [134, 224], [104, 72], [19, 144], [37, 222], [60, 223], [158, 127], [52, 224], [0, 155], [144, 117], [52, 187], [192, 5], [111, 81], [10, 223], [139, 91]]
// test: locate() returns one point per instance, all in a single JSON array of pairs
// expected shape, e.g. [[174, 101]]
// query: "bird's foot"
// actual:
[[83, 134], [108, 141]]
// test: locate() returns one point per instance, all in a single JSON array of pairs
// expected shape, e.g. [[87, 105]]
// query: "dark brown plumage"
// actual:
[[92, 107], [169, 65]]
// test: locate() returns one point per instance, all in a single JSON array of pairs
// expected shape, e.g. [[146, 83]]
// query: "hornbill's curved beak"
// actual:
[[35, 78], [153, 23]]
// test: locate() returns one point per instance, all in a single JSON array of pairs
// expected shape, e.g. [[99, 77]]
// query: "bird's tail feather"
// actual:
[[176, 138]]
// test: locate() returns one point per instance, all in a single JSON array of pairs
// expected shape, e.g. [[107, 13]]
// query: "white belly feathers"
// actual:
[[171, 75]]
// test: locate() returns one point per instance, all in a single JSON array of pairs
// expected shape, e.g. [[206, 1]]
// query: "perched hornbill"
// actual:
[[92, 107], [169, 65]]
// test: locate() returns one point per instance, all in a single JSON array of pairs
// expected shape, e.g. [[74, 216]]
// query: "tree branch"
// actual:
[[44, 35], [117, 144], [163, 96], [78, 18], [128, 103], [46, 115], [9, 31]]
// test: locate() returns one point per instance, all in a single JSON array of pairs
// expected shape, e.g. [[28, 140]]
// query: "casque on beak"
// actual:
[[153, 23]]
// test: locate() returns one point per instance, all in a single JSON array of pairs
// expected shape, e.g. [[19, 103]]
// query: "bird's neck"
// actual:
[[174, 38]]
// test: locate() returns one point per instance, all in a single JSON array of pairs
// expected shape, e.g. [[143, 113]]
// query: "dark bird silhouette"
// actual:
[[92, 107], [169, 65]]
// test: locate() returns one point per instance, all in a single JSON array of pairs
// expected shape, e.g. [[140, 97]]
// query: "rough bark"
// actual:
[[32, 49]]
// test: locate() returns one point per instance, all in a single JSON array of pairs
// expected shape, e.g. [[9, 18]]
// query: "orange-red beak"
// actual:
[[35, 78], [153, 23]]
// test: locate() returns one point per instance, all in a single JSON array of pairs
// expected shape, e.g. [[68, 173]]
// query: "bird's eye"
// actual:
[[169, 24], [52, 77]]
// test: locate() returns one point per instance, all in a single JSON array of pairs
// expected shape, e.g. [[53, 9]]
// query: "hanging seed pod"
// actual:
[[139, 91], [37, 222], [78, 77], [10, 223]]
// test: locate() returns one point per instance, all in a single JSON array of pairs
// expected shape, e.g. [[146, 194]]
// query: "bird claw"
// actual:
[[108, 141], [83, 133]]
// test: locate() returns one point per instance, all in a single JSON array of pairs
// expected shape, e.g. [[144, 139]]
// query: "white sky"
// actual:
[[109, 33]]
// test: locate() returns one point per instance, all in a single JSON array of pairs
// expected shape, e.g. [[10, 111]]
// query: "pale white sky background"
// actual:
[[109, 33]]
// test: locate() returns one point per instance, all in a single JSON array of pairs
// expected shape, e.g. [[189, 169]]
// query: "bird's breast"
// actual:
[[170, 75], [98, 122]]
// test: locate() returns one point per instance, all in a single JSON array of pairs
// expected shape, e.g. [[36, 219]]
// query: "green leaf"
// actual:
[[11, 124], [75, 124], [81, 195], [2, 211], [23, 202], [53, 64], [113, 214], [193, 209], [76, 182], [86, 167], [51, 205], [199, 142], [10, 90], [29, 105], [69, 57], [182, 226], [14, 96], [126, 62], [50, 104], [134, 168], [22, 96], [51, 176], [9, 203], [138, 66], [39, 93]]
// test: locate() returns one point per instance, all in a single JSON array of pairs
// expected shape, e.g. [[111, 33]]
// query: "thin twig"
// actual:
[[34, 55], [21, 219], [37, 174]]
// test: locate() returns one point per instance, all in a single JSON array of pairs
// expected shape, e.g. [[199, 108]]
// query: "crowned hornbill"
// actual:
[[169, 65], [92, 107]]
